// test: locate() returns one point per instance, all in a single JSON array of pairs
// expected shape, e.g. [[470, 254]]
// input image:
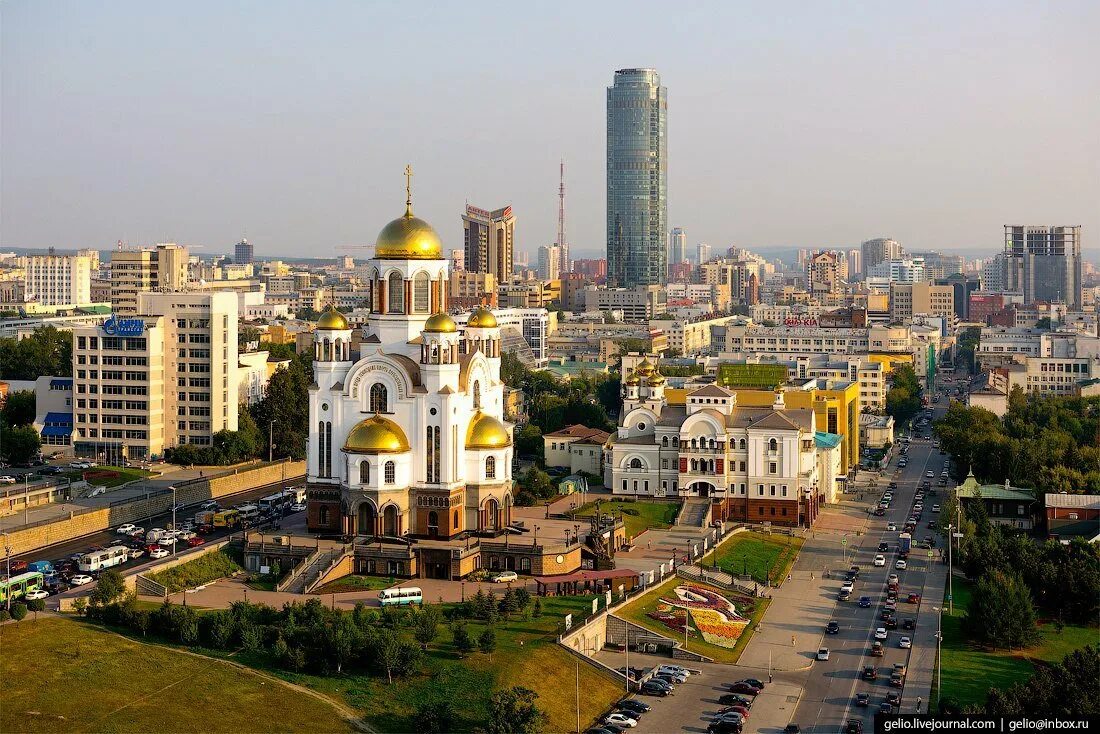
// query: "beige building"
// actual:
[[161, 268], [577, 448], [640, 303], [468, 289], [489, 238], [58, 280], [907, 299], [165, 376], [690, 337]]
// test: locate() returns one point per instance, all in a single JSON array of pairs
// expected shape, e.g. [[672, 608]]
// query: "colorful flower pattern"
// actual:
[[713, 615]]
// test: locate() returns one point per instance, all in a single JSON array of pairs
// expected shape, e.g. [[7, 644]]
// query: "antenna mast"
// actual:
[[564, 248]]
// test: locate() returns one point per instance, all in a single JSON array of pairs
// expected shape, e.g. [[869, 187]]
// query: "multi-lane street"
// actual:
[[830, 693]]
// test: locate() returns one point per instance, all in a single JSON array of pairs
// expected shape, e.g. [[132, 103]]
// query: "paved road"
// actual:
[[831, 686], [108, 537]]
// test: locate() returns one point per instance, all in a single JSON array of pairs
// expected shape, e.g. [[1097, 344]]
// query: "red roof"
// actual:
[[579, 431], [614, 573]]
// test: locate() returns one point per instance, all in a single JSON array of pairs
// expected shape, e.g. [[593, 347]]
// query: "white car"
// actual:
[[900, 565], [935, 508], [136, 553], [848, 586], [138, 532], [620, 719], [929, 474], [905, 643], [880, 560], [36, 594], [823, 654], [80, 579], [673, 670], [127, 529], [80, 465], [298, 507], [168, 540], [892, 579], [891, 526], [505, 577], [880, 633], [185, 535], [158, 553], [8, 479]]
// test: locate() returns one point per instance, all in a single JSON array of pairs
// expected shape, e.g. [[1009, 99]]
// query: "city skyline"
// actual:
[[291, 153]]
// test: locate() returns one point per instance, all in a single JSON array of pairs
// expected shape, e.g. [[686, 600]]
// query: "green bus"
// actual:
[[18, 586]]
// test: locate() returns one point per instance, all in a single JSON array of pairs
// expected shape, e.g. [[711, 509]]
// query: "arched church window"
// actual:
[[391, 472], [395, 288], [421, 291], [664, 442], [477, 394], [635, 463], [773, 445], [364, 473], [491, 467], [379, 398]]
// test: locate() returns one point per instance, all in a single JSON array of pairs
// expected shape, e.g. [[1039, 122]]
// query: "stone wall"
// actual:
[[193, 492]]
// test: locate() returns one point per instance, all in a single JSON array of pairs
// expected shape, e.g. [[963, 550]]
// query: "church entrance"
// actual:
[[492, 507], [433, 524], [435, 563], [705, 489], [389, 521], [367, 516]]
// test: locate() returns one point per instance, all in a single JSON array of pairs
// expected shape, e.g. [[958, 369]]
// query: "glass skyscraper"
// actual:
[[637, 179]]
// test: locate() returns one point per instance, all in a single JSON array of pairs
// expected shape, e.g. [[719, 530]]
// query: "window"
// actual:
[[364, 473], [773, 445], [379, 398], [391, 472], [421, 289], [772, 467], [664, 442], [635, 463], [760, 490], [477, 394], [395, 287], [491, 468]]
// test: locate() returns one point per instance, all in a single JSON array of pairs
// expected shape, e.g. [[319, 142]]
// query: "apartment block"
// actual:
[[907, 299], [162, 268], [638, 304], [165, 376], [58, 280]]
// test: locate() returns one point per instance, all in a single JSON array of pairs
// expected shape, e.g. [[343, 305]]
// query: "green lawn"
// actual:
[[637, 516], [202, 570], [527, 655], [759, 555], [120, 475], [969, 672], [62, 675], [356, 583], [638, 612]]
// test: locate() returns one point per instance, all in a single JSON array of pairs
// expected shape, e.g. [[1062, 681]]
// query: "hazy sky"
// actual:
[[290, 123]]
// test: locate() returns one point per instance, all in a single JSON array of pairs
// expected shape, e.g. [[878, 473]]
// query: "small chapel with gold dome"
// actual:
[[407, 437]]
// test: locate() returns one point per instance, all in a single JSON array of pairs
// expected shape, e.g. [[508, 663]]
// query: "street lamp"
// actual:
[[535, 537], [270, 434], [7, 556]]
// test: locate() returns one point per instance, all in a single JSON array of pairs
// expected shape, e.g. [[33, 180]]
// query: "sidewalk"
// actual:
[[922, 657]]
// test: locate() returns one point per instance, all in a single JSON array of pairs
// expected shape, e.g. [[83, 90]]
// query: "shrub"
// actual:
[[4, 616], [18, 611], [202, 570]]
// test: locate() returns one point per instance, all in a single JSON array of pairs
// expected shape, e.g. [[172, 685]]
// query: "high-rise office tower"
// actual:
[[855, 263], [242, 252], [677, 246], [162, 268], [637, 178], [702, 253], [489, 239], [550, 262], [878, 251], [1044, 263]]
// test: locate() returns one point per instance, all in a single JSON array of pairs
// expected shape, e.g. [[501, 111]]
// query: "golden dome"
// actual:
[[656, 380], [332, 320], [632, 381], [486, 432], [482, 318], [440, 323], [645, 368], [408, 238], [376, 435]]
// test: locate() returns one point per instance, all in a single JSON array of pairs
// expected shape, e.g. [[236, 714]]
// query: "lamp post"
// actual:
[[535, 537], [7, 557], [270, 435]]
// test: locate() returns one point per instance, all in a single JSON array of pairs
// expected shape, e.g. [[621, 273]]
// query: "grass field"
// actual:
[[638, 610], [62, 675], [527, 655], [122, 475], [969, 672], [637, 516], [356, 583], [759, 555]]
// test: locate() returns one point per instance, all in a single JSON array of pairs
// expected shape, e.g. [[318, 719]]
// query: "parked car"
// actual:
[[127, 529], [733, 699], [504, 577], [8, 479], [621, 719], [753, 682], [81, 579], [650, 688], [723, 726], [159, 553], [36, 594], [744, 688], [823, 653], [742, 711], [633, 704], [136, 553], [51, 471]]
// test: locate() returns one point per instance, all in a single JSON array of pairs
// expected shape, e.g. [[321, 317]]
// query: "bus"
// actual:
[[401, 595], [227, 519], [116, 555], [274, 502], [18, 586], [295, 494]]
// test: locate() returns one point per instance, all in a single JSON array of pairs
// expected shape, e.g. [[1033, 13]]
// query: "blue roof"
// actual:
[[65, 419], [61, 383], [57, 430], [825, 440]]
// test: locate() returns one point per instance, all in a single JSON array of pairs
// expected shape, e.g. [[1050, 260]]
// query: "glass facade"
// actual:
[[637, 176]]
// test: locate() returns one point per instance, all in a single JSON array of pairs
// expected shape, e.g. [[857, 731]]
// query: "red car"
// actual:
[[195, 541], [738, 709], [914, 599], [151, 547], [18, 566]]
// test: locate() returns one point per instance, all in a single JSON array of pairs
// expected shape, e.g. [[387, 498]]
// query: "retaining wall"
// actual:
[[136, 511]]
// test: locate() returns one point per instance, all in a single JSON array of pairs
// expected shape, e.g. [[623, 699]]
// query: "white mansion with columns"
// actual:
[[408, 439]]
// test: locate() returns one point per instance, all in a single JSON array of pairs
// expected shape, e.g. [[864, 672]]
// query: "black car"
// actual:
[[863, 699], [909, 624], [833, 628], [633, 705], [650, 688], [743, 687], [891, 623], [598, 730], [893, 698], [733, 699], [854, 726], [870, 673], [613, 728], [885, 708], [724, 726], [792, 729], [753, 682], [883, 547]]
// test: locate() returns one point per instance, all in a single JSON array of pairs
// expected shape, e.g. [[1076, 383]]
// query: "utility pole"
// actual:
[[579, 696], [270, 433], [7, 556]]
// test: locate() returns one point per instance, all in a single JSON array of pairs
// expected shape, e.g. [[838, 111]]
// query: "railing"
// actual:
[[373, 551], [337, 556], [298, 570]]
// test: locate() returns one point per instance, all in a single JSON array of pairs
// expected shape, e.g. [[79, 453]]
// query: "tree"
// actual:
[[487, 642], [427, 625], [903, 400], [246, 335], [529, 441], [536, 611], [388, 652], [342, 640], [435, 716], [36, 606], [287, 404], [47, 351], [508, 605], [1001, 613], [460, 637], [18, 611], [18, 445], [513, 711], [19, 408], [109, 587]]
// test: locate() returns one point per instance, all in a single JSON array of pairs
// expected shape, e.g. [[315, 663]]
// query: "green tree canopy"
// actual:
[[513, 711], [19, 408], [18, 445], [47, 351], [1001, 613]]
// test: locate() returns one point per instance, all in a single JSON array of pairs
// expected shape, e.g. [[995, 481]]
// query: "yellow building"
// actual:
[[889, 359]]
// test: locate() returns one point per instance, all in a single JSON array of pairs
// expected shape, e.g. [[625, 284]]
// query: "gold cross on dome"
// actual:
[[408, 190]]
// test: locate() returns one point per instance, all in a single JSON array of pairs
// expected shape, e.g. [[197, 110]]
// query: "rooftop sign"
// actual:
[[124, 327]]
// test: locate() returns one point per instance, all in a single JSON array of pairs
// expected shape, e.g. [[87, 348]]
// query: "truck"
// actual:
[[204, 517], [905, 542], [227, 519], [43, 567]]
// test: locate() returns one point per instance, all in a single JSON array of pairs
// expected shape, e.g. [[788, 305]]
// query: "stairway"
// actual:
[[695, 512], [318, 563]]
